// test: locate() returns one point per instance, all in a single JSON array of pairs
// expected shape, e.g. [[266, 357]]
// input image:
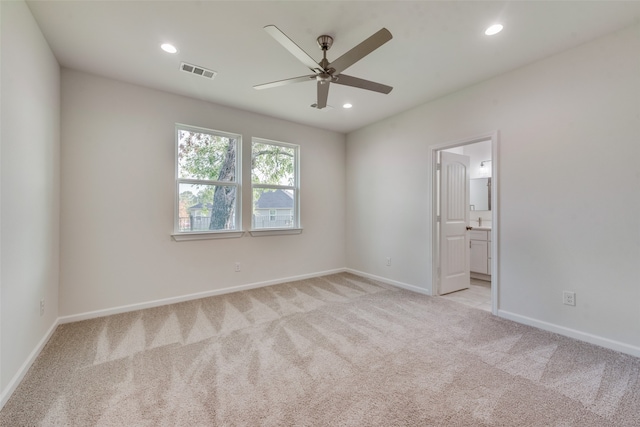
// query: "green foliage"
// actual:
[[272, 164], [188, 198], [202, 156]]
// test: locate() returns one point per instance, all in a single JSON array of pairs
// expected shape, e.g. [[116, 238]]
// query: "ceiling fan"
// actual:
[[325, 72]]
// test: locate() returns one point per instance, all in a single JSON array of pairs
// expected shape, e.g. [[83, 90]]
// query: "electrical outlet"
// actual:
[[388, 261], [42, 307], [237, 267], [569, 298]]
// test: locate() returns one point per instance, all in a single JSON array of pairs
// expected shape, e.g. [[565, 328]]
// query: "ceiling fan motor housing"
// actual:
[[324, 78]]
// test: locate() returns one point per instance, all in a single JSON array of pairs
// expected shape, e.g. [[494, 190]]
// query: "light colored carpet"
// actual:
[[338, 350]]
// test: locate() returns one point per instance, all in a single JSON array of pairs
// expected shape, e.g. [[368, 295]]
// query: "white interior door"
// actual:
[[454, 217]]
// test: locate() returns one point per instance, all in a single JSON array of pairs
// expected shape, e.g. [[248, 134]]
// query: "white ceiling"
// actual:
[[437, 47]]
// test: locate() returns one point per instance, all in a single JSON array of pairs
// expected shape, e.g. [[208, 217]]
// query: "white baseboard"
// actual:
[[17, 378], [390, 282], [561, 330], [15, 381], [189, 297], [572, 333]]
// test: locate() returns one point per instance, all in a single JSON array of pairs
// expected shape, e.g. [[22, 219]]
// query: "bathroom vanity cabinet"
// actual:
[[481, 252]]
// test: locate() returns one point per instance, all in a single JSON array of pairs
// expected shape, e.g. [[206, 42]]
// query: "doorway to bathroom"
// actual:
[[465, 221]]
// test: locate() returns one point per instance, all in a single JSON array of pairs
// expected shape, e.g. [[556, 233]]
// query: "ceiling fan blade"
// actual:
[[292, 47], [285, 82], [343, 79], [323, 94], [360, 51]]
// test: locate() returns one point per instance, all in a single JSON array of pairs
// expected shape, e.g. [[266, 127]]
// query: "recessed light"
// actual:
[[347, 105], [494, 29], [169, 48]]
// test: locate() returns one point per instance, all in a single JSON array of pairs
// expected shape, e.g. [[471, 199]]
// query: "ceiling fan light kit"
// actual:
[[325, 72]]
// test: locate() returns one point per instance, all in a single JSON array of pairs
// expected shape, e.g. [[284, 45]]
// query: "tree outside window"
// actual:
[[275, 184], [208, 180]]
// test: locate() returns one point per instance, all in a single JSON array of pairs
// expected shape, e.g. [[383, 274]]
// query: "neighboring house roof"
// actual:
[[274, 200], [199, 206]]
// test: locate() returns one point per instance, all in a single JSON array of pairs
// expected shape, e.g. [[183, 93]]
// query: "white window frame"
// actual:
[[211, 234], [296, 228]]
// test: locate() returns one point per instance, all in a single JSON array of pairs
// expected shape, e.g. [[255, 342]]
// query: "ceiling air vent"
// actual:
[[200, 71]]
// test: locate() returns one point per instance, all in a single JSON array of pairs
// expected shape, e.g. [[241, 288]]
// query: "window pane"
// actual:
[[272, 164], [272, 208], [206, 156], [206, 207]]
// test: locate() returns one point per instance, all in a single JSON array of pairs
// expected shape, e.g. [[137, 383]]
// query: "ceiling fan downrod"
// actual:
[[325, 42]]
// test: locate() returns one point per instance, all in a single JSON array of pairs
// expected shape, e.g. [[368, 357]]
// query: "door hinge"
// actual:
[[438, 166], [438, 218]]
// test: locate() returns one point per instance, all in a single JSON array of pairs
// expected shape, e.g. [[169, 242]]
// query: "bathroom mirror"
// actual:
[[480, 194]]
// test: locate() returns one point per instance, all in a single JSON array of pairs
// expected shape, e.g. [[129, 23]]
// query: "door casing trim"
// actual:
[[495, 212]]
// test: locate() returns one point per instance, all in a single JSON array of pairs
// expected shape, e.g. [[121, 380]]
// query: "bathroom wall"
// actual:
[[479, 152]]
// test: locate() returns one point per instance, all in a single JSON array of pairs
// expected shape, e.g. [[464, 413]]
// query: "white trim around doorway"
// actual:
[[495, 210]]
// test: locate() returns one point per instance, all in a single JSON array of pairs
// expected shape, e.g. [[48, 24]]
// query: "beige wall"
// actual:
[[569, 174], [118, 150], [30, 179]]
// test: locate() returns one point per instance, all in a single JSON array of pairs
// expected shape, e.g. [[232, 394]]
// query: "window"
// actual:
[[207, 181], [275, 185]]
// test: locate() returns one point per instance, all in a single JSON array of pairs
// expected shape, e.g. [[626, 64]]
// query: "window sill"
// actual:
[[181, 237], [274, 231]]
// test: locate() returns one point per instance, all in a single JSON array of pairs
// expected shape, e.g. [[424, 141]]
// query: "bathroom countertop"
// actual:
[[483, 227]]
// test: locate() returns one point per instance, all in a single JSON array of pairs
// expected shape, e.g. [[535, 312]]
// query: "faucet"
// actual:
[[479, 221]]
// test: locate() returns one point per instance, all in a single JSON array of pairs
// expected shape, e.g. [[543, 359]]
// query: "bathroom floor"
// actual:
[[478, 295]]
